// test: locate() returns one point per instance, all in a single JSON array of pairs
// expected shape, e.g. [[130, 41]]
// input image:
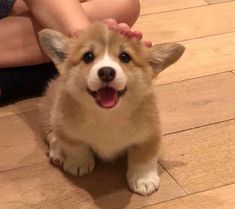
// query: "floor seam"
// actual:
[[206, 36], [173, 10], [198, 127], [194, 78], [187, 8], [218, 2], [18, 113], [209, 3], [188, 195], [24, 166], [185, 193]]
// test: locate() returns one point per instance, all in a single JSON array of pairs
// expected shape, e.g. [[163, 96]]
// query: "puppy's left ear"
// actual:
[[54, 44], [164, 55]]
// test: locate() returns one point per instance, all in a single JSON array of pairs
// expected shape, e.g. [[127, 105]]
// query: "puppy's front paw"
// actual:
[[80, 166], [143, 183]]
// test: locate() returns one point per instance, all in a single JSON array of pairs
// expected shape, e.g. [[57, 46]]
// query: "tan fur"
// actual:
[[79, 126]]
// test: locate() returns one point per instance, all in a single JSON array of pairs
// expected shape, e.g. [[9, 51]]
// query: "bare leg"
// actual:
[[18, 34], [19, 45], [126, 11], [142, 174]]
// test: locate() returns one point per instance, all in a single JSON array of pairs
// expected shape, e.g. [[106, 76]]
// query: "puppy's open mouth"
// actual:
[[107, 97]]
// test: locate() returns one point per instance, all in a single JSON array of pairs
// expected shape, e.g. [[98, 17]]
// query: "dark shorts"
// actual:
[[23, 82], [5, 6]]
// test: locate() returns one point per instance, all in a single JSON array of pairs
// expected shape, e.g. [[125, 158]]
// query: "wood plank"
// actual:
[[204, 56], [203, 158], [43, 186], [188, 23], [156, 6], [19, 142], [221, 198], [197, 102], [18, 107]]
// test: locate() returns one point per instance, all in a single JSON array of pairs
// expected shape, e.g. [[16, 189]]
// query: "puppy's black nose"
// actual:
[[106, 74]]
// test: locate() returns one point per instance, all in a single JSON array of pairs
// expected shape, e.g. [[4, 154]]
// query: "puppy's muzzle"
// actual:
[[107, 96], [106, 74]]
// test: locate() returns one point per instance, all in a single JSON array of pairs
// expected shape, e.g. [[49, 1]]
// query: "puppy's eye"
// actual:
[[88, 57], [125, 57]]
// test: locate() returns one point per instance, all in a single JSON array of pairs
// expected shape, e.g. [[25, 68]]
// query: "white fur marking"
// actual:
[[143, 179], [94, 82], [144, 184]]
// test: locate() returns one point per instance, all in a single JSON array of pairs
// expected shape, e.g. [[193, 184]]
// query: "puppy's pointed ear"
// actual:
[[54, 44], [164, 55]]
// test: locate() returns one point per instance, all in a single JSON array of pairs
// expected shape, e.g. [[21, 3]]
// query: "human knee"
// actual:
[[130, 11]]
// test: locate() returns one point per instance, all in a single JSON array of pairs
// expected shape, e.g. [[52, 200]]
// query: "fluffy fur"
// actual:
[[77, 125]]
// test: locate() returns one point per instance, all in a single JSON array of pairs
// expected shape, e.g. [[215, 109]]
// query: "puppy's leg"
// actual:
[[142, 174], [79, 159]]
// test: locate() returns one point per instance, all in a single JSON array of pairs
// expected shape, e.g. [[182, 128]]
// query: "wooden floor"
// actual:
[[197, 107]]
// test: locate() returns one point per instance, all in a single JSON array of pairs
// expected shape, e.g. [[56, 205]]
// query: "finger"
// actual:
[[127, 33], [148, 44], [111, 24], [123, 27], [114, 27], [138, 35], [109, 21]]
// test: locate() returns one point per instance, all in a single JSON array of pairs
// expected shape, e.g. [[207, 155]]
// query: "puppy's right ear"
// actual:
[[54, 44]]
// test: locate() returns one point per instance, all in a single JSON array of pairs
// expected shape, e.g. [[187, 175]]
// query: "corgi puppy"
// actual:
[[103, 102]]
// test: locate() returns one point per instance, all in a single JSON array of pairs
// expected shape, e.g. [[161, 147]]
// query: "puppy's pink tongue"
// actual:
[[107, 97]]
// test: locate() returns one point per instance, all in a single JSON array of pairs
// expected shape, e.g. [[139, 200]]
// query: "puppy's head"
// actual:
[[105, 69]]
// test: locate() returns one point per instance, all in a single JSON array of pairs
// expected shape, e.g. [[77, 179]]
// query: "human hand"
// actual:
[[124, 29]]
